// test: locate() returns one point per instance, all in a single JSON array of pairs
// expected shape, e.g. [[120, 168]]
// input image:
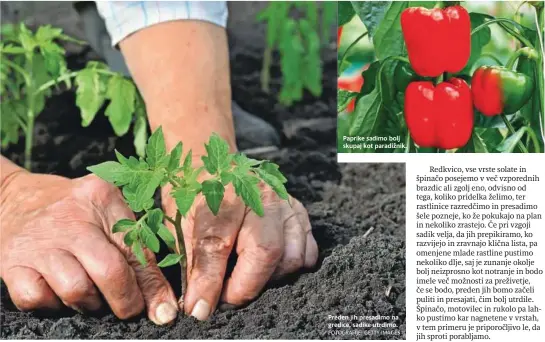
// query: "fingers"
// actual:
[[111, 273], [160, 300], [69, 280], [212, 241], [311, 247], [29, 290], [260, 249], [295, 241]]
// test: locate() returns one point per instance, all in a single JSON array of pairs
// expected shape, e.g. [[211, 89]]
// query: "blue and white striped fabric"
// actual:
[[126, 17]]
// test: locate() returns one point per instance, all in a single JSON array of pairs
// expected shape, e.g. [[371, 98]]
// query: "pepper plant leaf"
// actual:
[[246, 187], [148, 238], [156, 151], [155, 219], [175, 155], [184, 197]]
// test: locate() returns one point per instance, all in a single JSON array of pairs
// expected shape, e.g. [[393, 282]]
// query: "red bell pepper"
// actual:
[[352, 83], [440, 117], [438, 40]]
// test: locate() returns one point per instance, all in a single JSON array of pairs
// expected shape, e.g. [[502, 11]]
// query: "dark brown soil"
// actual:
[[357, 213]]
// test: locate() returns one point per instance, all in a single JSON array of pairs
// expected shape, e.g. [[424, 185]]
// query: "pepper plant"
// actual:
[[294, 28], [140, 178], [33, 63], [438, 82]]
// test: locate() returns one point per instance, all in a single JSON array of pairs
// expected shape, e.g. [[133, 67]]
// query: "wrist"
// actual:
[[10, 175], [194, 131]]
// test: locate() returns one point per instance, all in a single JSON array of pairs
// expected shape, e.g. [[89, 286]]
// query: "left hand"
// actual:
[[271, 246]]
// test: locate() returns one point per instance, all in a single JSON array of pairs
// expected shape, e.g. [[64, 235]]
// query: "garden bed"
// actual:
[[357, 213]]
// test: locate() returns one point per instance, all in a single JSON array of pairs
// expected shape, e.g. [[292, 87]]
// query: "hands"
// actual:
[[56, 247], [279, 243]]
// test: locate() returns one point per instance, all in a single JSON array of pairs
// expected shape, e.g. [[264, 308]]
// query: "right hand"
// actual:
[[56, 247]]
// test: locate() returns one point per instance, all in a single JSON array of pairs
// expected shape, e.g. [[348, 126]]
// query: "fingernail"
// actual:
[[201, 310], [165, 313]]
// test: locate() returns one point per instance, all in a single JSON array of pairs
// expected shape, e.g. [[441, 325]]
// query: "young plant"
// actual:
[[293, 28], [140, 178], [32, 63]]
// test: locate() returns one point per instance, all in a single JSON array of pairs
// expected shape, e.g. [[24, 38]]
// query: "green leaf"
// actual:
[[156, 151], [149, 238], [131, 237], [147, 185], [110, 171], [476, 144], [89, 94], [166, 236], [121, 93], [139, 253], [388, 37], [246, 187], [155, 219], [123, 225], [213, 192], [366, 115], [275, 183], [511, 142], [217, 158], [187, 167], [47, 33], [370, 76], [371, 13], [184, 198], [140, 130], [345, 12], [478, 40], [175, 156], [312, 63], [343, 99], [242, 160], [273, 169], [169, 260]]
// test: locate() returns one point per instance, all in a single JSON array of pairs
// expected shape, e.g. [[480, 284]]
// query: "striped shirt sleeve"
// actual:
[[126, 17]]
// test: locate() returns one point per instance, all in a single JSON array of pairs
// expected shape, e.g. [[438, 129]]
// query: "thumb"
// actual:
[[161, 304]]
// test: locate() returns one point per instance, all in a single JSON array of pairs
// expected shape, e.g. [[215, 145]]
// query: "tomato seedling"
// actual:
[[140, 178], [32, 63]]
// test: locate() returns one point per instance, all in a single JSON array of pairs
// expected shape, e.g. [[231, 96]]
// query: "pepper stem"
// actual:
[[526, 52], [512, 131], [351, 46]]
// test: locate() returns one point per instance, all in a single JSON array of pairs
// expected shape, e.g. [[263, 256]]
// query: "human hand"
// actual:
[[274, 245], [57, 247]]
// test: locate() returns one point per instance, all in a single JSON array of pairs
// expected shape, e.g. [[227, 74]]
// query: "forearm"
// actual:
[[8, 171], [182, 71]]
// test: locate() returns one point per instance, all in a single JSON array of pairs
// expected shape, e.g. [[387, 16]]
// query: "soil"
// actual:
[[357, 213]]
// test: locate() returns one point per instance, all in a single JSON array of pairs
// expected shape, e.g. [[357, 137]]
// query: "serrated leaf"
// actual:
[[156, 151], [243, 160], [167, 236], [155, 219], [148, 238], [169, 260], [246, 187], [147, 186], [121, 93], [274, 183], [213, 192], [175, 156], [89, 95], [273, 169], [47, 33], [123, 225], [110, 171], [139, 253], [184, 198], [217, 158]]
